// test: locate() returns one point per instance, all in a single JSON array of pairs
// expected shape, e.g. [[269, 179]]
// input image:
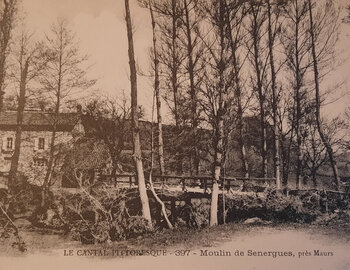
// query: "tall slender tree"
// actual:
[[258, 57], [135, 120], [295, 40], [272, 30], [157, 92], [194, 51], [217, 89], [236, 12], [64, 77], [30, 60], [170, 53], [330, 35], [8, 11]]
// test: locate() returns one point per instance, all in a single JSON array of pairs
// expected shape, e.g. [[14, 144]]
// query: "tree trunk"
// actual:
[[297, 97], [217, 172], [193, 92], [135, 120], [159, 119], [318, 102], [50, 167], [238, 94], [261, 96], [314, 179], [51, 161], [8, 10], [18, 139], [244, 160], [285, 160], [162, 205], [174, 63], [274, 99], [218, 119], [157, 94]]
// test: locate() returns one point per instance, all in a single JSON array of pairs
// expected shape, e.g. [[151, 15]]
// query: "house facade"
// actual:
[[37, 132]]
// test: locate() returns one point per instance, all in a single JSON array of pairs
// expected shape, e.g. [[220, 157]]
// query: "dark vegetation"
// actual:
[[105, 215]]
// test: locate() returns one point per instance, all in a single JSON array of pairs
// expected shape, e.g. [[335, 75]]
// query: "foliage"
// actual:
[[109, 122], [270, 205], [103, 215], [193, 215], [9, 232], [337, 218]]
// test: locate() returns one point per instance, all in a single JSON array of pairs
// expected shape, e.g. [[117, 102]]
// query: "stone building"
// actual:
[[36, 141]]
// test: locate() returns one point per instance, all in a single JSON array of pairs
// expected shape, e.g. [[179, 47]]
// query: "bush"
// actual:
[[338, 218], [103, 215], [270, 205], [193, 215]]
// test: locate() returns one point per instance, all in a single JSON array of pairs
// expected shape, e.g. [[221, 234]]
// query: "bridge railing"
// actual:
[[186, 181]]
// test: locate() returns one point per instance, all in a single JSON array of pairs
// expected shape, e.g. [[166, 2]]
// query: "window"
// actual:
[[9, 144], [40, 162], [41, 144]]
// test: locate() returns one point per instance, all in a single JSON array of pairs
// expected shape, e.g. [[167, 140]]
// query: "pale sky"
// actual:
[[100, 26]]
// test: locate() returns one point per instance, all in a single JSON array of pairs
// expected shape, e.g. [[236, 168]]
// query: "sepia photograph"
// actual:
[[174, 134]]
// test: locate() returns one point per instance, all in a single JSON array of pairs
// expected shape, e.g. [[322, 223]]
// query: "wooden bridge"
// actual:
[[197, 183]]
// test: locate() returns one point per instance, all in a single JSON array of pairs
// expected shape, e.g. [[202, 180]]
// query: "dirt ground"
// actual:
[[224, 247]]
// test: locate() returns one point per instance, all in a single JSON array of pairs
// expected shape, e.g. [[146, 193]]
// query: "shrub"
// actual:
[[103, 215], [193, 215], [270, 205]]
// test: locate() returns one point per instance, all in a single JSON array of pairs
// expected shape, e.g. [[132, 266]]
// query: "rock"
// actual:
[[253, 221], [22, 223]]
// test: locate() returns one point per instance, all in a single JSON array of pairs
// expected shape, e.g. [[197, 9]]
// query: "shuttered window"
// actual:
[[9, 143], [41, 143]]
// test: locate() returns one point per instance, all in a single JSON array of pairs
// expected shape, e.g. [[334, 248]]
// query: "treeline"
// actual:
[[217, 62]]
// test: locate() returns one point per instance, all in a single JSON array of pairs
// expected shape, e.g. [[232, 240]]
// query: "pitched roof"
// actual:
[[37, 120]]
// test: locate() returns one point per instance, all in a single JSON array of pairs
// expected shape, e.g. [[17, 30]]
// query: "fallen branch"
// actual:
[[20, 242], [160, 202]]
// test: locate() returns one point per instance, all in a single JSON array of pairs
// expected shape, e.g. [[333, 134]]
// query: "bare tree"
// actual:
[[217, 89], [135, 121], [236, 12], [64, 77], [8, 10], [273, 14], [162, 205], [315, 153], [327, 42], [170, 53], [30, 61], [194, 51], [258, 58], [171, 56], [295, 40], [157, 90]]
